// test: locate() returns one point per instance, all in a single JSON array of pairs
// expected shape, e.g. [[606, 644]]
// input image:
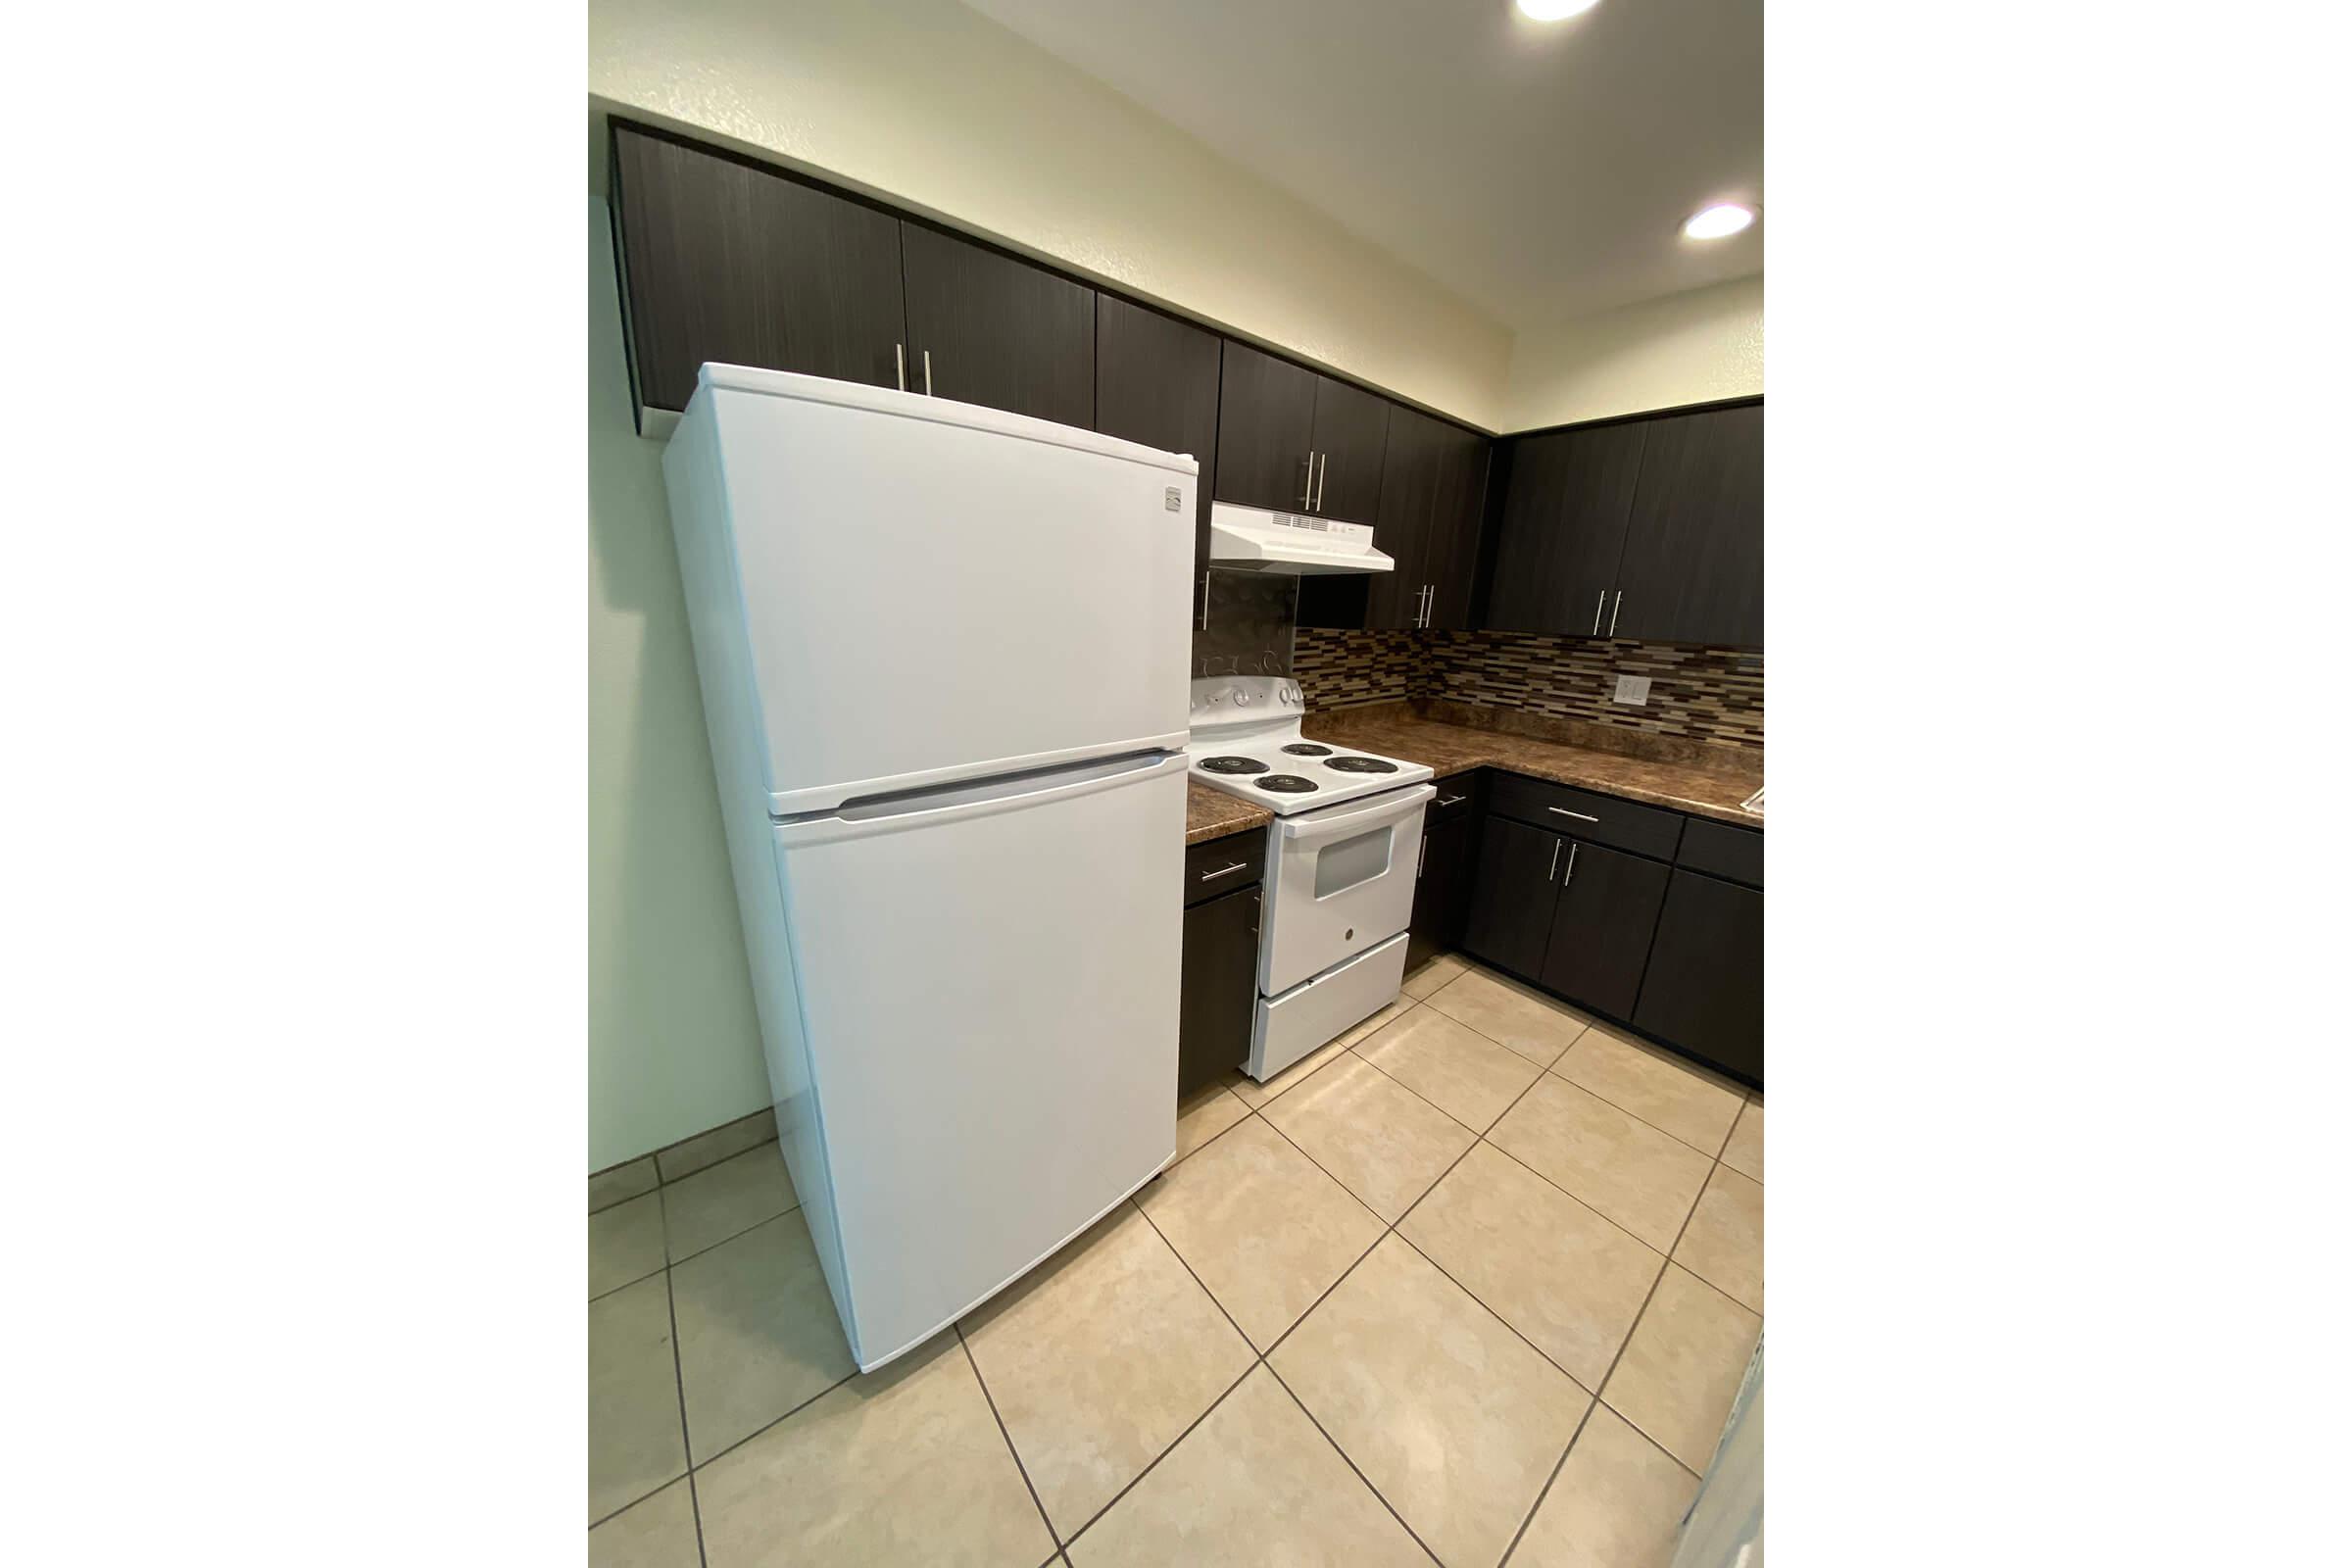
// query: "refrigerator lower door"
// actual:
[[988, 977]]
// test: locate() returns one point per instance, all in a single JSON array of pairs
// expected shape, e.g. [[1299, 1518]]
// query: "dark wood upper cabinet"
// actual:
[[1705, 988], [1563, 529], [1266, 428], [998, 331], [1155, 381], [1600, 929], [1351, 438], [1449, 545], [1693, 565], [1408, 489], [722, 263]]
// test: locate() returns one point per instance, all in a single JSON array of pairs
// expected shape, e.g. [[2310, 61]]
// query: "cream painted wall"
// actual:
[[674, 1045], [936, 106], [1684, 348]]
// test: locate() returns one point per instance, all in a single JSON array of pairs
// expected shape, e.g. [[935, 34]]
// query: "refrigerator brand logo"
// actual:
[[1175, 499]]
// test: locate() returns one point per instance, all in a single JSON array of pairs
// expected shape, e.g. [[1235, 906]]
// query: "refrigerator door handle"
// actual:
[[952, 803]]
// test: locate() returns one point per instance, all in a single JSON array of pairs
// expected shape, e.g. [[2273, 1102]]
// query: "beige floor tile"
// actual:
[[904, 1465], [1450, 1065], [1632, 1172], [1205, 1113], [1744, 1153], [1510, 1014], [757, 1333], [1378, 1020], [1618, 1502], [719, 1143], [622, 1183], [1100, 1359], [1551, 1269], [1264, 1229], [1447, 1412], [635, 1443], [1723, 1243], [1669, 1095], [1682, 1368], [1385, 1142], [727, 1200], [1439, 971], [658, 1533], [1254, 1483], [624, 1243]]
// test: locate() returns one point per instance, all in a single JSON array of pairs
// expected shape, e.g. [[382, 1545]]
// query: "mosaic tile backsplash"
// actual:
[[1708, 694]]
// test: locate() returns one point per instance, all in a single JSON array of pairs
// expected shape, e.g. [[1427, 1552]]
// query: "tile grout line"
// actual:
[[1006, 1432], [677, 1367], [661, 1181], [1317, 1424], [673, 1262]]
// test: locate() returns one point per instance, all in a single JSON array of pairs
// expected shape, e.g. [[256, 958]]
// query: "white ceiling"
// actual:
[[1538, 170]]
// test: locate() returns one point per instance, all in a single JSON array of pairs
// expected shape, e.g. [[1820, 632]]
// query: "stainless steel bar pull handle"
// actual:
[[1600, 605], [902, 348], [1211, 876], [1451, 800], [1322, 477], [1424, 863], [1613, 609], [1555, 863], [926, 372], [1570, 875], [1562, 810], [1306, 485]]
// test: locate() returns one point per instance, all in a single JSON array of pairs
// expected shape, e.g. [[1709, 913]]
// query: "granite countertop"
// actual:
[[1692, 777], [1211, 813]]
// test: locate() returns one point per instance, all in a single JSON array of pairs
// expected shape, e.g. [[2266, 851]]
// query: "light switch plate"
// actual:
[[1633, 689]]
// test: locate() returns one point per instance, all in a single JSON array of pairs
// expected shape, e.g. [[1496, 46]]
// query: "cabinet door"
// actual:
[[999, 332], [1220, 996], [1155, 381], [1442, 896], [1266, 424], [1449, 545], [1351, 438], [1693, 568], [1704, 990], [1511, 894], [1563, 530], [724, 263], [1408, 488], [1609, 908]]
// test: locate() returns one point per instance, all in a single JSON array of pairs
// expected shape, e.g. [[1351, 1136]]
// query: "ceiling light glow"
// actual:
[[1553, 9], [1714, 222]]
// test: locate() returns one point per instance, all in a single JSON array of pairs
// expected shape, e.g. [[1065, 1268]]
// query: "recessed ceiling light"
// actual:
[[1553, 9], [1714, 222]]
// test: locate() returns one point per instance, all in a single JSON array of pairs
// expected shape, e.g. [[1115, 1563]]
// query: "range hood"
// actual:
[[1248, 539]]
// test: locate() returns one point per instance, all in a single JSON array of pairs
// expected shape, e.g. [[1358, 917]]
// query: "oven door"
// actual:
[[1341, 881]]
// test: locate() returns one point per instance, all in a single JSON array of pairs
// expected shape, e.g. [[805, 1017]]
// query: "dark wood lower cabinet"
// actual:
[[1441, 895], [1219, 1002], [1704, 987], [1509, 920], [1602, 926]]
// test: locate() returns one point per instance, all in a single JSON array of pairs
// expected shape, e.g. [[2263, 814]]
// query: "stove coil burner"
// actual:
[[1360, 764], [1232, 764], [1287, 784], [1306, 749]]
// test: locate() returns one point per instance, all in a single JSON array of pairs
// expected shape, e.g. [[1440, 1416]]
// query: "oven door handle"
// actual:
[[1392, 807]]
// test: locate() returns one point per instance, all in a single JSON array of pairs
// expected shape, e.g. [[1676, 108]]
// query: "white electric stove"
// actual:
[[1342, 857]]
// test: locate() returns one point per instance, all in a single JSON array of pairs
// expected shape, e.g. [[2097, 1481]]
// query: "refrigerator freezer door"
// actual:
[[989, 980], [905, 591]]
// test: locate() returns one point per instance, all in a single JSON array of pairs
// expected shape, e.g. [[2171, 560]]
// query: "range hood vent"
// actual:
[[1248, 539]]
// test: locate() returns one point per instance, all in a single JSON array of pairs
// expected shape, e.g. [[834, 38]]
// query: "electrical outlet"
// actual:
[[1633, 689]]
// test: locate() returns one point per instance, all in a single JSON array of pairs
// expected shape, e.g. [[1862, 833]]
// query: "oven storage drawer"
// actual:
[[1339, 881], [1220, 865], [1291, 1025], [1581, 814]]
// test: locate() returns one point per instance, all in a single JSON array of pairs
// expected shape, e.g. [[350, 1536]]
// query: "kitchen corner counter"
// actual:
[[1685, 778], [1211, 813]]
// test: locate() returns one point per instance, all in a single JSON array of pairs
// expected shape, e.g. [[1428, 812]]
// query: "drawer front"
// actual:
[[1291, 1025], [1581, 814], [1735, 854], [1456, 796], [1223, 864]]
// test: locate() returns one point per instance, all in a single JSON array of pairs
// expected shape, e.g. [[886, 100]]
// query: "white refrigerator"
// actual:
[[944, 655]]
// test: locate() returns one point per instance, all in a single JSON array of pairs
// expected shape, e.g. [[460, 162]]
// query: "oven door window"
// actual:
[[1351, 862]]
